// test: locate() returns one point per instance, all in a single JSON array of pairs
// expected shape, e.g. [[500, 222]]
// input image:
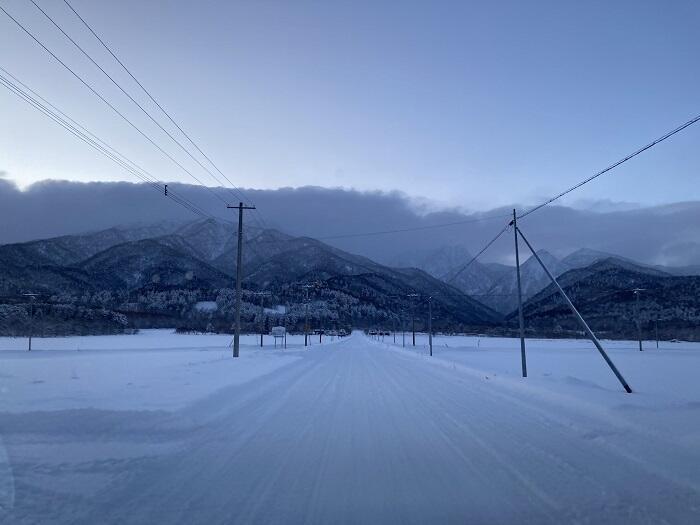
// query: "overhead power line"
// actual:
[[39, 103], [413, 229], [612, 166], [261, 222], [152, 98], [389, 232], [109, 104], [131, 98]]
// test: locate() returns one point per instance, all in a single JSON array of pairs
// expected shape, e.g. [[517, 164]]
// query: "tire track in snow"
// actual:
[[605, 459]]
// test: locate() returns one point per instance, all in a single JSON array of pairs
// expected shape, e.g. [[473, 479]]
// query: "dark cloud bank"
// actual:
[[668, 234]]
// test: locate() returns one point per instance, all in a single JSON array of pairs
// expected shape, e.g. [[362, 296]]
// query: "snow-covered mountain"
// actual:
[[603, 294], [166, 269], [495, 284]]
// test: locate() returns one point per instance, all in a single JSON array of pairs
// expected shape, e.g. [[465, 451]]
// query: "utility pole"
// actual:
[[239, 276], [403, 328], [306, 288], [639, 321], [32, 298], [430, 324], [262, 319], [262, 314], [656, 329], [393, 331], [521, 320], [306, 324], [413, 315]]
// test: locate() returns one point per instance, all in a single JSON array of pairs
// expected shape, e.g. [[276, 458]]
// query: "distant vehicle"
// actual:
[[342, 332], [372, 332]]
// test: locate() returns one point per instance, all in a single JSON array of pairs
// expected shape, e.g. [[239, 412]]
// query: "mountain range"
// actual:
[[495, 285], [613, 295], [160, 274], [157, 274]]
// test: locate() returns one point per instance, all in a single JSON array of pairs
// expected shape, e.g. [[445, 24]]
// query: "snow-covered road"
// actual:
[[353, 432]]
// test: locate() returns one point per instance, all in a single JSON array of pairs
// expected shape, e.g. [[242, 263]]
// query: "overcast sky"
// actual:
[[476, 104], [666, 234]]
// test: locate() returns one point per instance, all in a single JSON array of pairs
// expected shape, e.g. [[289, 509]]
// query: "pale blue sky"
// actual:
[[476, 104]]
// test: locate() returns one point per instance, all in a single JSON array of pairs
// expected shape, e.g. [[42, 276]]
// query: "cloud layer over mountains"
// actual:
[[666, 234]]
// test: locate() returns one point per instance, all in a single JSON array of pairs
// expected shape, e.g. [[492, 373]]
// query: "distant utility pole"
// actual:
[[430, 324], [306, 288], [521, 320], [239, 276], [403, 328], [413, 315], [656, 329], [32, 298], [262, 314], [637, 291]]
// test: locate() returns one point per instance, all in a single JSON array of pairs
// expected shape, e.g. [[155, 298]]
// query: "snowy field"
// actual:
[[154, 369], [165, 428]]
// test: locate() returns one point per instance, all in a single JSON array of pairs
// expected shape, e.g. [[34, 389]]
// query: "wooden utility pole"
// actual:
[[32, 298], [521, 319], [262, 318], [262, 314], [239, 277], [637, 291], [403, 328], [306, 288], [430, 324], [656, 329], [413, 315]]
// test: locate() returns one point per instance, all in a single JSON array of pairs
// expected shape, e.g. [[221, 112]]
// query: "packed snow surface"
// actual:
[[166, 428]]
